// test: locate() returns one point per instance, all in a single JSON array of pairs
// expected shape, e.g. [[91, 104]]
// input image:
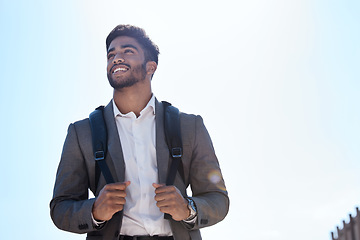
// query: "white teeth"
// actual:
[[119, 69]]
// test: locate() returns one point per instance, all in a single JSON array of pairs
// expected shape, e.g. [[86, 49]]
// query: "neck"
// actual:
[[132, 99]]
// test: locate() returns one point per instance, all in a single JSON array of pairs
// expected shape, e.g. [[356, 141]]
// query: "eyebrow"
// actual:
[[110, 50], [123, 46], [129, 46]]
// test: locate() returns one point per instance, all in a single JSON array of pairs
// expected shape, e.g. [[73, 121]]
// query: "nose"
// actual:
[[118, 59]]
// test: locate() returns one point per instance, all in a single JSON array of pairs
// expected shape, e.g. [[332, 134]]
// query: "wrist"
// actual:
[[96, 223], [95, 215]]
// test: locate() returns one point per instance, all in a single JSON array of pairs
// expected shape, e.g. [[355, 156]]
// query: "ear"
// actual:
[[151, 67]]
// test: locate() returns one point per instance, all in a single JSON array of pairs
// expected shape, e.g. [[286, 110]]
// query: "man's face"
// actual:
[[126, 62]]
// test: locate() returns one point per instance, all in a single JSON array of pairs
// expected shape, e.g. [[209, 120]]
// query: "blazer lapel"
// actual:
[[162, 150], [114, 145], [115, 149]]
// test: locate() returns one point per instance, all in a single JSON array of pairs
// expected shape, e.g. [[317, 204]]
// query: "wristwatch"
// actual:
[[192, 207]]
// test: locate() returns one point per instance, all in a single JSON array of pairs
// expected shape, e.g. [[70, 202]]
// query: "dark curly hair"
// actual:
[[151, 50]]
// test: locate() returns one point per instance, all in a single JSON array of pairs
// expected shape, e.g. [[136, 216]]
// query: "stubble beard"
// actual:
[[129, 81]]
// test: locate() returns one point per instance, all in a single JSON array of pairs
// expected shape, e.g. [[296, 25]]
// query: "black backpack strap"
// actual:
[[173, 139], [99, 141]]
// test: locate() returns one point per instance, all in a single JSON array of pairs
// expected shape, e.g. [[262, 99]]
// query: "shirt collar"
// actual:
[[150, 104]]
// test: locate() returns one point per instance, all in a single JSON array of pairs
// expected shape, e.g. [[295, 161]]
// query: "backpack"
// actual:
[[172, 135]]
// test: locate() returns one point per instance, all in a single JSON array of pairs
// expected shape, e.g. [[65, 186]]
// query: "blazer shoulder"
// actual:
[[190, 124], [188, 120], [81, 123], [189, 116], [81, 127]]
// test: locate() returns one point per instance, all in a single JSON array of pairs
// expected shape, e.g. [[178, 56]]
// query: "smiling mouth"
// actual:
[[120, 69]]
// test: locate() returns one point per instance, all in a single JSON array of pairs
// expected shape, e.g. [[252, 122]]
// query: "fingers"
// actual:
[[169, 200], [163, 192], [114, 190], [160, 188], [156, 185], [111, 199], [117, 186]]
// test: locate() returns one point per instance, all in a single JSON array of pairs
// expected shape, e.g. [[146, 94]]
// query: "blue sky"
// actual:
[[277, 83]]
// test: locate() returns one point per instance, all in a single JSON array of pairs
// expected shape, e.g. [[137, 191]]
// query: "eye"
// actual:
[[110, 55]]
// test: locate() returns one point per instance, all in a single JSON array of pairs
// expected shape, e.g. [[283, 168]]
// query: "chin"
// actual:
[[118, 85]]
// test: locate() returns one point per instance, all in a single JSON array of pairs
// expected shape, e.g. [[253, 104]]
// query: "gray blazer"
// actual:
[[71, 208]]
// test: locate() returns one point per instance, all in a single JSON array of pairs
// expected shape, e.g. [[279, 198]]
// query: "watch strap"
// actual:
[[192, 208]]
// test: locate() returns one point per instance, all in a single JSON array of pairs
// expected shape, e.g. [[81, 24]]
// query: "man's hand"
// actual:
[[169, 200], [111, 200]]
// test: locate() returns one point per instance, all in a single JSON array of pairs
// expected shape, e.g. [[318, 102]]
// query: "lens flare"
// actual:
[[215, 177]]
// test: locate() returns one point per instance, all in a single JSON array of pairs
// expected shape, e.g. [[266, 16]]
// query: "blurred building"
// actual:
[[350, 230]]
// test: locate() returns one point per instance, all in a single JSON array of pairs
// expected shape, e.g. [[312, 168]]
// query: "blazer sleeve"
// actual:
[[70, 208], [207, 184]]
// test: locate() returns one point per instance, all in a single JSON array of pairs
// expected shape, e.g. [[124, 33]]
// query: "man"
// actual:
[[134, 206]]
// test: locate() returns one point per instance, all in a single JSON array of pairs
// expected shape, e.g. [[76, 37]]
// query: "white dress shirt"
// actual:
[[138, 141]]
